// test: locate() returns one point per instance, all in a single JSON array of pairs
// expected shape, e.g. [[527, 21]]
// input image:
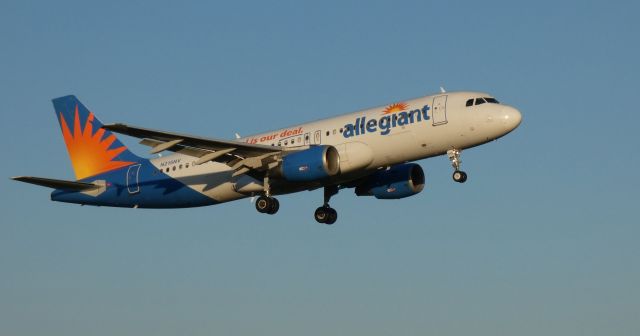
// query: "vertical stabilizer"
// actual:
[[92, 149]]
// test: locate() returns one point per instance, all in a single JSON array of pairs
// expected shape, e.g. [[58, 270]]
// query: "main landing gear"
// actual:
[[326, 214], [458, 175], [266, 203]]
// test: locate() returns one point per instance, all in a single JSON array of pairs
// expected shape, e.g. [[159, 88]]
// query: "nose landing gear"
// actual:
[[454, 156], [459, 176]]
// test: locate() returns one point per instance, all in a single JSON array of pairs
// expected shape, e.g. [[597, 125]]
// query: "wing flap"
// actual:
[[191, 151]]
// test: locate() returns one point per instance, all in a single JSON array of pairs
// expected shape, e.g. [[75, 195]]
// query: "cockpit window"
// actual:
[[480, 100]]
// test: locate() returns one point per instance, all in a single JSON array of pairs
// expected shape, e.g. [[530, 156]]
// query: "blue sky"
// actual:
[[542, 239]]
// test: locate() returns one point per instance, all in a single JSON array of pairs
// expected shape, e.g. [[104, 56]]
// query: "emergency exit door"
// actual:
[[132, 179]]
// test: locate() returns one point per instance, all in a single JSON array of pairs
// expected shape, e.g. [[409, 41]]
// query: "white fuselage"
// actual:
[[366, 140]]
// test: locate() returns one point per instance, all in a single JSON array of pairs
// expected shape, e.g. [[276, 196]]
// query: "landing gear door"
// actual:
[[439, 110], [132, 179]]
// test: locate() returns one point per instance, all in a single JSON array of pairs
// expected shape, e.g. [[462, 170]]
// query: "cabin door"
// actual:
[[439, 110]]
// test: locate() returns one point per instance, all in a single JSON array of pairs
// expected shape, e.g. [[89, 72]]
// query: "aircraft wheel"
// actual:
[[325, 215], [332, 216], [275, 206], [268, 205], [321, 214], [459, 176], [263, 204]]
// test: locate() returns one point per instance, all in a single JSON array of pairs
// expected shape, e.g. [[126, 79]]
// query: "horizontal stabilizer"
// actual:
[[57, 184]]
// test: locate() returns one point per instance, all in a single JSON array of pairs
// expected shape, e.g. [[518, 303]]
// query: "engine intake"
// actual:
[[397, 182], [310, 164]]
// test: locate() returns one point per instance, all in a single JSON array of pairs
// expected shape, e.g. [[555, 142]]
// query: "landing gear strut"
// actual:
[[326, 214], [266, 203], [458, 175]]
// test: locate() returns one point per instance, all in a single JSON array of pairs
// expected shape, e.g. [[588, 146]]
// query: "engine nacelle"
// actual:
[[354, 156], [310, 164], [397, 182]]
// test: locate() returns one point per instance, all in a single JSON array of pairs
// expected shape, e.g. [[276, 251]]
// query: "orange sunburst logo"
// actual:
[[90, 154], [397, 107]]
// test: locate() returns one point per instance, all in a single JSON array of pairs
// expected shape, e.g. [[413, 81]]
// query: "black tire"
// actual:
[[321, 215], [275, 206], [263, 204], [332, 216], [459, 176]]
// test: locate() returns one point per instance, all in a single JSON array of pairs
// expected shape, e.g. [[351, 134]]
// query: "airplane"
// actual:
[[370, 151]]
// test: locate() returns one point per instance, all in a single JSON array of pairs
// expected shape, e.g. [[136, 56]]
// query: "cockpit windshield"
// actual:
[[481, 100]]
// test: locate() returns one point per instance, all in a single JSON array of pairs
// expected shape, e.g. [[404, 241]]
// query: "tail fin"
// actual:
[[92, 149]]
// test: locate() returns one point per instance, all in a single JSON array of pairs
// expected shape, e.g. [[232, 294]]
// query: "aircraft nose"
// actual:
[[511, 118]]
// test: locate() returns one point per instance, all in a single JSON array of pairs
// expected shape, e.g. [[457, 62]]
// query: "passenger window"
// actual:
[[328, 133], [470, 102], [341, 130], [286, 142], [480, 101], [186, 166], [168, 169], [174, 168]]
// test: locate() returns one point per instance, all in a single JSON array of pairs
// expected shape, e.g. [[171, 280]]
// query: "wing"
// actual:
[[240, 156]]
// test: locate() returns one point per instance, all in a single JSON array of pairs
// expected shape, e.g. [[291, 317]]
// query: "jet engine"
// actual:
[[310, 164], [395, 182]]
